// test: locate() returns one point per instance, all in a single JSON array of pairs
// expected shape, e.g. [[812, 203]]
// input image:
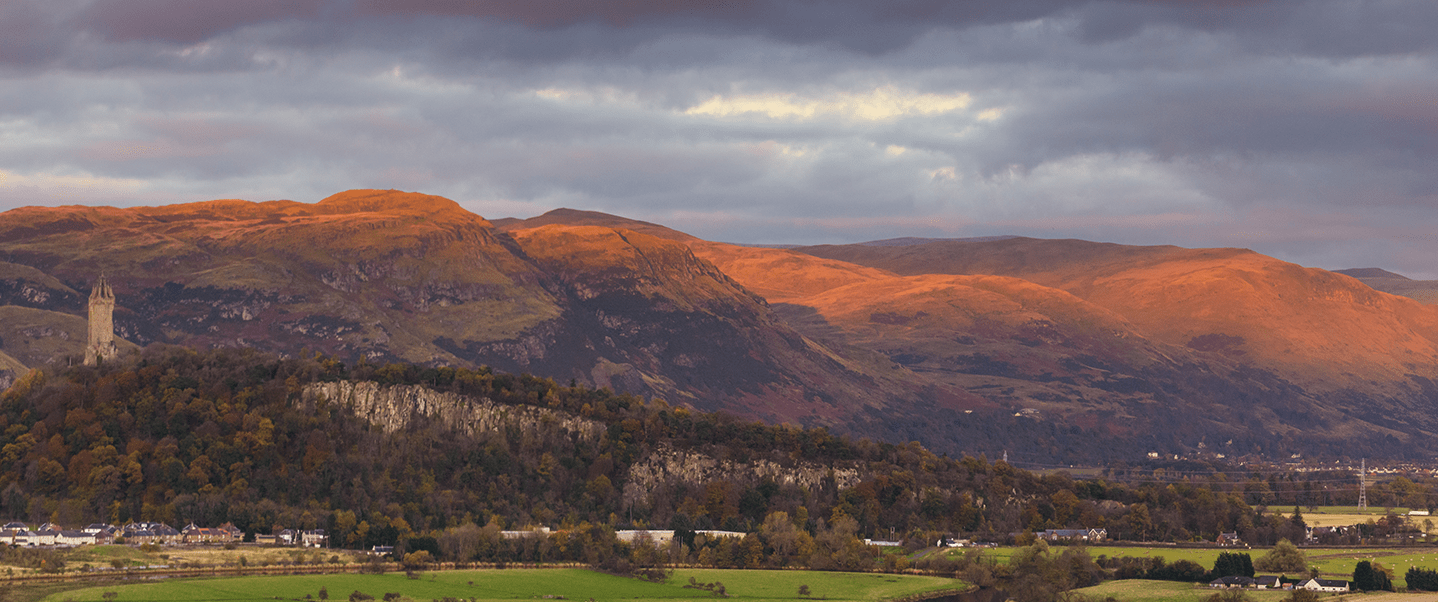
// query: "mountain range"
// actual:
[[1054, 350]]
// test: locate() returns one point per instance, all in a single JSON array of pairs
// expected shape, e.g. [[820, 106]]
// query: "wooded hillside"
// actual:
[[174, 435]]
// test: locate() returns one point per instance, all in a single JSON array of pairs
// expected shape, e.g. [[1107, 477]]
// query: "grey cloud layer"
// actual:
[[1308, 130]]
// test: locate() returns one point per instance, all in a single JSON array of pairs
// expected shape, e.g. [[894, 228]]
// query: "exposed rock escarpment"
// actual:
[[667, 465], [394, 407]]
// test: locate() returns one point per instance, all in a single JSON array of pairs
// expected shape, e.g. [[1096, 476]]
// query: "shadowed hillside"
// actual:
[[386, 275], [1423, 291], [1069, 350]]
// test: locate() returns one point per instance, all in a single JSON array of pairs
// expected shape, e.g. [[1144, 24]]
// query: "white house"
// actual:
[[714, 533], [74, 538], [1324, 585], [314, 538], [537, 532], [659, 538]]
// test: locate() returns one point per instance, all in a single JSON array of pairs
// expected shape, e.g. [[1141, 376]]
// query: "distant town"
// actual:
[[50, 534]]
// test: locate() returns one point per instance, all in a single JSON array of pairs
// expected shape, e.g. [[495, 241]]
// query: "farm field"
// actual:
[[254, 555], [1333, 563], [1339, 516], [1202, 556], [526, 584], [1140, 590], [1369, 512]]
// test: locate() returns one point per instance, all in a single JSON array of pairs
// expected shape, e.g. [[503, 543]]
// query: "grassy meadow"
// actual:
[[1140, 590], [1339, 516], [1333, 563], [524, 584]]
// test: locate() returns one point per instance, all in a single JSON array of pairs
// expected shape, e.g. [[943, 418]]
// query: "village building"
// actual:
[[1074, 534], [42, 537], [1267, 582], [196, 534], [156, 533], [314, 538], [714, 533], [659, 538], [1231, 581], [236, 534], [1323, 585], [537, 532], [74, 537]]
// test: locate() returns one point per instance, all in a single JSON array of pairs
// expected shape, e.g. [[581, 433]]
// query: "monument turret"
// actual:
[[102, 324]]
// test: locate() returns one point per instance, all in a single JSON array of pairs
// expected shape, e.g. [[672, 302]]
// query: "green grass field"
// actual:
[[1375, 511], [525, 584], [1138, 590], [1333, 563], [1202, 556]]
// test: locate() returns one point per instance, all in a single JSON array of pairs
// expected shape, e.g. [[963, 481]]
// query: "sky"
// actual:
[[1303, 129]]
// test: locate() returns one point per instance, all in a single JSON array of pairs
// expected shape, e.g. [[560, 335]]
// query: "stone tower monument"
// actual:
[[102, 324]]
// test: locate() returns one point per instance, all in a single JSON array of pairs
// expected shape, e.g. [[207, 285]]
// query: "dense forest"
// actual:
[[175, 435]]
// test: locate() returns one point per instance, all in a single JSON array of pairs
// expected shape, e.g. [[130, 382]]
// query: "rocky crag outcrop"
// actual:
[[669, 465], [393, 408]]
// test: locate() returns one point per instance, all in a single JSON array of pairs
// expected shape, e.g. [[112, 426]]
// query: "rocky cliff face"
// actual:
[[668, 465], [393, 408]]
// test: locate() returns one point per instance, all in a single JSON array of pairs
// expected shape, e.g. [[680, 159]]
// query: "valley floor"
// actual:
[[527, 584]]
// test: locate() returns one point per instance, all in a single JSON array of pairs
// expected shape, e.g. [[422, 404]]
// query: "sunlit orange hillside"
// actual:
[[1088, 333], [1326, 330], [392, 275], [1078, 351]]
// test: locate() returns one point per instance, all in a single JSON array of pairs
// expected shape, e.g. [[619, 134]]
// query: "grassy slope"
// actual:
[[1327, 329], [524, 584], [35, 336]]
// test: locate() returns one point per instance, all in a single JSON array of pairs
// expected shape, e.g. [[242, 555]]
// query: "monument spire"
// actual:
[[102, 324]]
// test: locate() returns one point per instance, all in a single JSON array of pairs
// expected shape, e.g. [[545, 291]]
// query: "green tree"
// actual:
[[417, 560], [1371, 577], [1232, 563], [1284, 558], [781, 535]]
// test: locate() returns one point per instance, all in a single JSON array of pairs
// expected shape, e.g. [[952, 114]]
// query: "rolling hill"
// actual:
[[1065, 350]]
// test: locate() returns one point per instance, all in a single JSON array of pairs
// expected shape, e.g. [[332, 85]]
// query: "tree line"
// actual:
[[176, 435]]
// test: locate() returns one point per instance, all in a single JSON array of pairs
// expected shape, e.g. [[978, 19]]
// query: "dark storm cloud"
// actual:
[[868, 26], [1247, 123], [186, 22]]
